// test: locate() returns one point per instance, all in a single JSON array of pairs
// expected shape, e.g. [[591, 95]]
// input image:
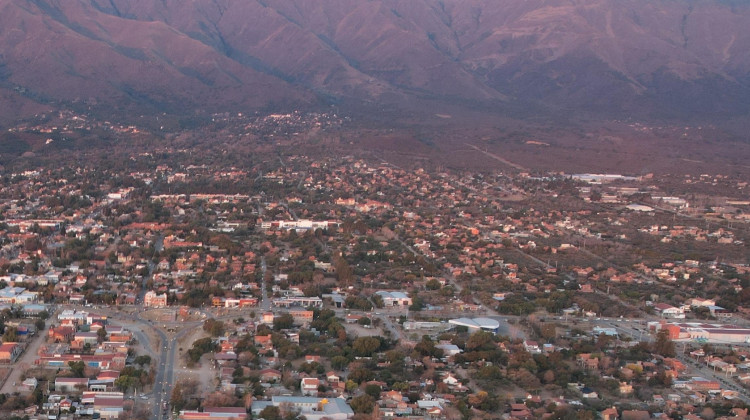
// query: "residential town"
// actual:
[[165, 285]]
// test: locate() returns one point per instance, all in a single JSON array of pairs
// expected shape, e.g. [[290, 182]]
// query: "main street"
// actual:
[[160, 385], [164, 380], [163, 352]]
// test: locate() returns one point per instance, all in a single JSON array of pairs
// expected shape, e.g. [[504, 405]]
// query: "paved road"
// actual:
[[160, 385], [164, 382], [265, 303], [26, 359], [709, 373], [389, 325]]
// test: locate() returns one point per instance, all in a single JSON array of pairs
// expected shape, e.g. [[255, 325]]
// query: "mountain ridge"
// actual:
[[670, 59]]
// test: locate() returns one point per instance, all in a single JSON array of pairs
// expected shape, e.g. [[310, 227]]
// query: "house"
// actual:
[[312, 358], [151, 299], [625, 388], [435, 412], [635, 415], [263, 340], [739, 412], [449, 349], [450, 380], [80, 339], [9, 352], [669, 311], [30, 384], [697, 302], [719, 312], [609, 414], [585, 360], [270, 375], [332, 378], [309, 386], [66, 404], [267, 318], [532, 347], [587, 392], [225, 358], [520, 411]]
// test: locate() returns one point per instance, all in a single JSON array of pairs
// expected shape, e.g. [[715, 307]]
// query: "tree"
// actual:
[[126, 382], [270, 413], [214, 327], [373, 391], [101, 335], [358, 302], [361, 375], [663, 345], [362, 404], [708, 413], [364, 321], [283, 322], [143, 360], [10, 335], [480, 340], [366, 346], [344, 272], [432, 284], [417, 304], [77, 368], [220, 399], [201, 347], [339, 362], [350, 385], [426, 347]]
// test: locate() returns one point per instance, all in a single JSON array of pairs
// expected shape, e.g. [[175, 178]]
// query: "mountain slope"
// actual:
[[69, 50], [621, 58]]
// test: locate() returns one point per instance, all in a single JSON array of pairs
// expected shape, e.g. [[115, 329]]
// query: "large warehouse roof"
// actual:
[[477, 323]]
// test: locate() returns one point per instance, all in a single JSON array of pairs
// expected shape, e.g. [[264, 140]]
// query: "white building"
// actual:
[[669, 311], [311, 407], [151, 299], [475, 324], [394, 298]]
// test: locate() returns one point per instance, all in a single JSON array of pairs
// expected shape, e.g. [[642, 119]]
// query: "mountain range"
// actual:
[[678, 59]]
